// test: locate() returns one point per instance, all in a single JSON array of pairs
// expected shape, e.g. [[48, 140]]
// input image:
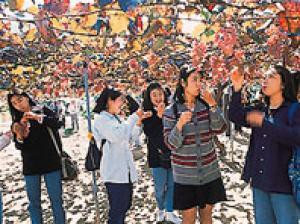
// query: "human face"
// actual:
[[157, 97], [193, 85], [115, 106], [20, 103], [272, 84]]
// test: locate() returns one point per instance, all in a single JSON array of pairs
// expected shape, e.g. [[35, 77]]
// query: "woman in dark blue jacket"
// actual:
[[271, 145], [155, 100]]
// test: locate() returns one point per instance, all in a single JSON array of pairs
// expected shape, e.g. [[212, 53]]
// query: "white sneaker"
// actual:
[[160, 216], [171, 217]]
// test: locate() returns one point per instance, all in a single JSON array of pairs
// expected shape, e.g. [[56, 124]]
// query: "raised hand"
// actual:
[[20, 130], [142, 115], [161, 109], [255, 118], [32, 116], [237, 78], [208, 98], [185, 117]]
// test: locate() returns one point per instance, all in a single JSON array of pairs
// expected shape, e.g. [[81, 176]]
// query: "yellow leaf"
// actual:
[[77, 58], [199, 29], [84, 39], [18, 70], [33, 10], [165, 21], [29, 69], [38, 71], [118, 23], [73, 25], [216, 27], [30, 36], [207, 39], [247, 24], [90, 20], [56, 24], [17, 40], [137, 45]]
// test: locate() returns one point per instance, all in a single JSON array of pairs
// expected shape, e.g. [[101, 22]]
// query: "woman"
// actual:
[[39, 155], [159, 161], [271, 144], [5, 139], [117, 167], [189, 125]]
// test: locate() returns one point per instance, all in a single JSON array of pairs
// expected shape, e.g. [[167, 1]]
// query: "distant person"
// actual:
[[74, 110]]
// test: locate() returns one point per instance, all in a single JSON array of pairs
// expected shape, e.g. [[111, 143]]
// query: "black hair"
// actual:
[[289, 91], [296, 76], [179, 92], [101, 103], [168, 91], [133, 105], [147, 103], [17, 115]]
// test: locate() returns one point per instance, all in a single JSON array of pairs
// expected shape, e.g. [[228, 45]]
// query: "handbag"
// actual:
[[294, 166], [94, 155], [69, 168]]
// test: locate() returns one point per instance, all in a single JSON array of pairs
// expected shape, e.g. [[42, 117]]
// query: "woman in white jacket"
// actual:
[[117, 166]]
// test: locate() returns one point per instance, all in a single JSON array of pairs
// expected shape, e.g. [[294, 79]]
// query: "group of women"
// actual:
[[181, 152]]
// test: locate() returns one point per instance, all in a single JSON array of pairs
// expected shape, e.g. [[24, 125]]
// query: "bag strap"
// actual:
[[54, 141], [175, 110]]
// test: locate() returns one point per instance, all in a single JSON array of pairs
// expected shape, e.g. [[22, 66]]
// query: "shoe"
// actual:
[[160, 216], [171, 217]]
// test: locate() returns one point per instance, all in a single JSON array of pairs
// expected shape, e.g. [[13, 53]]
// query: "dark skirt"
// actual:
[[190, 196]]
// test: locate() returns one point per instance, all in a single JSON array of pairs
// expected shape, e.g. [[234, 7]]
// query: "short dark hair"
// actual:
[[15, 114], [297, 80], [101, 103], [147, 103], [185, 73]]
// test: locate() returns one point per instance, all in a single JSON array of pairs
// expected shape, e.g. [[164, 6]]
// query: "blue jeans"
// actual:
[[271, 208], [164, 188], [54, 188], [120, 199]]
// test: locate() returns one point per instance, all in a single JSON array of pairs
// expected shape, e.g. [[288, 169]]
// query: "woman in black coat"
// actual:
[[155, 100], [39, 154]]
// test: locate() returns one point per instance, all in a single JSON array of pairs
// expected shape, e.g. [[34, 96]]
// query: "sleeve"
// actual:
[[20, 145], [237, 113], [172, 136], [217, 122], [285, 134], [134, 130], [114, 131], [50, 119]]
